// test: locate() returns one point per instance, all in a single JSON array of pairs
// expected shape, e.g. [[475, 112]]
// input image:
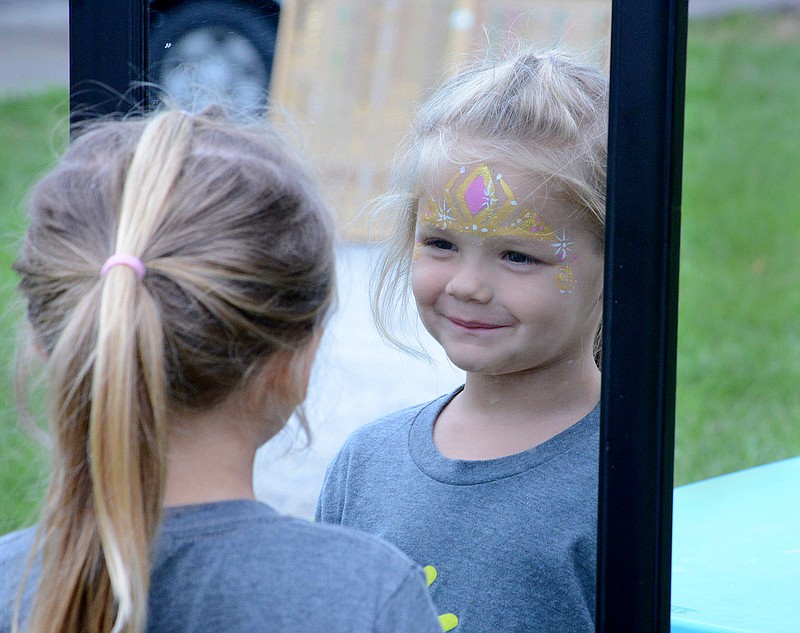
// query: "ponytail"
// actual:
[[108, 385]]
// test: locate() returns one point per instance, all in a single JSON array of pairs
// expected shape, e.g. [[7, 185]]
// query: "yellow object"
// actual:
[[448, 621], [430, 575]]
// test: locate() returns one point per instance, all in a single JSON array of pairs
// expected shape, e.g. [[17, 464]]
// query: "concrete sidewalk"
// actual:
[[34, 45]]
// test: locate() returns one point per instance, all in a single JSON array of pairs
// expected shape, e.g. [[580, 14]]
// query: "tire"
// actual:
[[213, 51]]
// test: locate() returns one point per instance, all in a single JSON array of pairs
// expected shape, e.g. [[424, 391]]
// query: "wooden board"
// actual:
[[348, 73]]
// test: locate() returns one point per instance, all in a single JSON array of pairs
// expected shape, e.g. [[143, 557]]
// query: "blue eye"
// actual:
[[519, 258]]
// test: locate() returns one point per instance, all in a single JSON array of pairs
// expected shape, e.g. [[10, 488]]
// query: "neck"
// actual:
[[542, 393], [210, 458], [496, 416]]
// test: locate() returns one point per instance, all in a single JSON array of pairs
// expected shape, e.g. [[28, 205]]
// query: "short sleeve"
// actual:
[[331, 497]]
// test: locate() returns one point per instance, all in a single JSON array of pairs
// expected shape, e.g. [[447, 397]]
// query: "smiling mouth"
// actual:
[[474, 325]]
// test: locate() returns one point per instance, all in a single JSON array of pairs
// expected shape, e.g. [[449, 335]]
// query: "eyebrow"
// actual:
[[516, 241], [431, 227]]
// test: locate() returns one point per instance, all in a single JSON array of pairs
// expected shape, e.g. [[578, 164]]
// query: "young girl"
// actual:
[[500, 199], [177, 272]]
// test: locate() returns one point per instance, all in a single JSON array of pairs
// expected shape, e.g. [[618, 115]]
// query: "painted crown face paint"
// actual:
[[479, 202]]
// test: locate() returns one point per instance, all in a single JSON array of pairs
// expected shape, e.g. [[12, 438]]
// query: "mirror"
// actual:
[[348, 78]]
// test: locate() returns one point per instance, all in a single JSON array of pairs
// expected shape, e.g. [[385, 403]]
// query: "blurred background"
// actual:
[[348, 73]]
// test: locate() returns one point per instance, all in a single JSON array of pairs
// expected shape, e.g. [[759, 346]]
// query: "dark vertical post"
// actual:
[[108, 56], [648, 59]]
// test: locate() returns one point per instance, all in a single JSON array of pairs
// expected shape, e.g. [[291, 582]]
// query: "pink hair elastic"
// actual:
[[121, 259]]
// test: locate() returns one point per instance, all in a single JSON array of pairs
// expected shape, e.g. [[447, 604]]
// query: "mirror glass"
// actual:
[[350, 72], [347, 74], [738, 344]]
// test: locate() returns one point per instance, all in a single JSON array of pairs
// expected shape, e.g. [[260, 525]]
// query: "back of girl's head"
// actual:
[[545, 114], [238, 255]]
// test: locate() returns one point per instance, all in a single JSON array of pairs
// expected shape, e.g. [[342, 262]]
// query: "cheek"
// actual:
[[427, 281], [564, 278], [419, 282], [589, 288], [589, 271]]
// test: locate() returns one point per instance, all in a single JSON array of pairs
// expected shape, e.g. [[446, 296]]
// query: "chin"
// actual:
[[469, 365]]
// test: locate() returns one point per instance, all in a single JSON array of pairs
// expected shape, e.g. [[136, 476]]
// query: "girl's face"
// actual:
[[505, 278]]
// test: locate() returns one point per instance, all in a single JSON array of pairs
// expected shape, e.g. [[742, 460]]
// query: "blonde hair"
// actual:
[[545, 114], [238, 250]]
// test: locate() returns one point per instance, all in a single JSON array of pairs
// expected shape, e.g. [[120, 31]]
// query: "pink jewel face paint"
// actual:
[[477, 201]]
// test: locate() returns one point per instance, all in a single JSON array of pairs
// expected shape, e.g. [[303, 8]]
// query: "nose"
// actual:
[[468, 283]]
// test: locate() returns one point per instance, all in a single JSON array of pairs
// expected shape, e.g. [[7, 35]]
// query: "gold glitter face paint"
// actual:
[[479, 202], [565, 278]]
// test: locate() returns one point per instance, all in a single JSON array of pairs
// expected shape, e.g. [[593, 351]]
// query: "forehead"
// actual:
[[495, 200]]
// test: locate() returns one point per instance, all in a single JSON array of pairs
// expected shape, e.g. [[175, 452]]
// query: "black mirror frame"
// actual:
[[107, 57], [645, 150], [108, 52]]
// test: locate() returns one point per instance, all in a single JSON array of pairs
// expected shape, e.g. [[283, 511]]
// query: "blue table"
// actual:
[[736, 552]]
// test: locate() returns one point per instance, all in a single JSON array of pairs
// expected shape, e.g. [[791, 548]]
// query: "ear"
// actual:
[[283, 377], [306, 358], [278, 386]]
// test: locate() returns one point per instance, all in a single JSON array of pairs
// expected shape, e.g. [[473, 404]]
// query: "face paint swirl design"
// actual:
[[479, 202]]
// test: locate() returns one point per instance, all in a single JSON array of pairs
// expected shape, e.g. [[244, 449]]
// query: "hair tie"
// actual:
[[121, 259]]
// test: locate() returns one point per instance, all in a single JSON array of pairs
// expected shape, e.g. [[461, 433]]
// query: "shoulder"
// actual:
[[14, 550], [371, 448], [348, 548], [387, 425], [257, 532], [582, 440], [350, 569], [15, 541], [375, 457]]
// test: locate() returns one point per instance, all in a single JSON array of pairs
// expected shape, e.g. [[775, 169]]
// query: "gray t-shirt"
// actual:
[[240, 567], [512, 540]]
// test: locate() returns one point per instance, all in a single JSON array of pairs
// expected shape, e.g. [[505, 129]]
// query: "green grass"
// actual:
[[28, 146], [739, 341]]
